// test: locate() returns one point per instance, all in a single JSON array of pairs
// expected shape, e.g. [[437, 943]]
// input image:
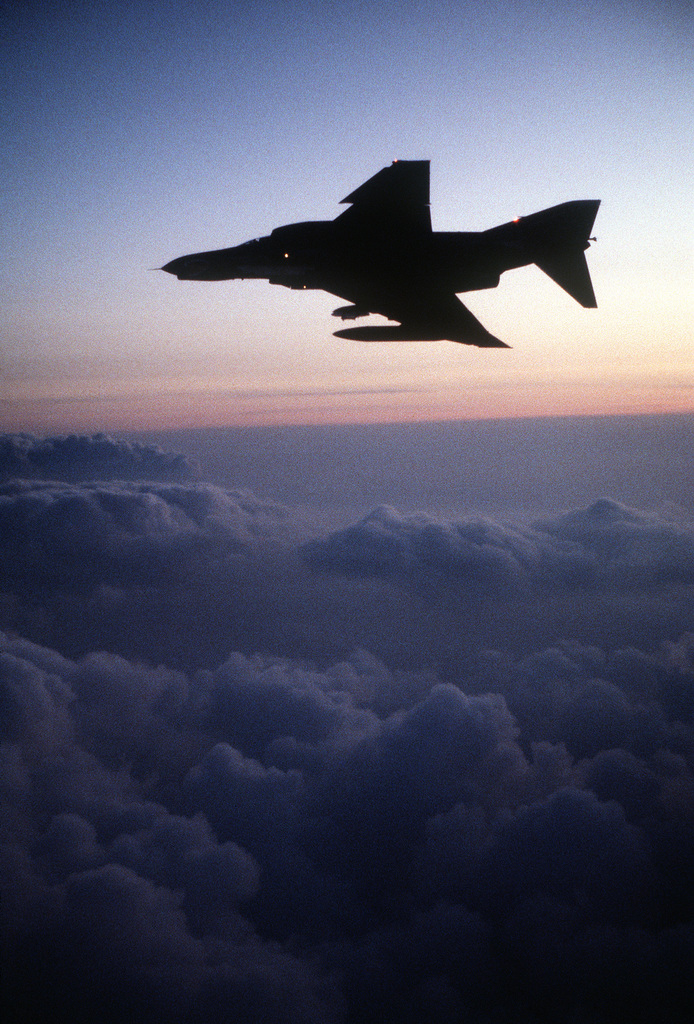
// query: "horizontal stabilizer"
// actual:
[[570, 271], [556, 240]]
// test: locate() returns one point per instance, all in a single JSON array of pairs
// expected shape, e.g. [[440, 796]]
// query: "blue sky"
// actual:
[[136, 134]]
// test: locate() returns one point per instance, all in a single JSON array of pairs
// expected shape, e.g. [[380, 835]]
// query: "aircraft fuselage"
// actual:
[[298, 256]]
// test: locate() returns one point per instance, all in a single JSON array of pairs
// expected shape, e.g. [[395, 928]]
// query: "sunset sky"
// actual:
[[135, 133]]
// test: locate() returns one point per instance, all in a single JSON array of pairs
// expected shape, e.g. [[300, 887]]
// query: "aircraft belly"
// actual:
[[250, 271]]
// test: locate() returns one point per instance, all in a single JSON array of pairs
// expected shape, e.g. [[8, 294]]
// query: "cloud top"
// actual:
[[604, 543], [88, 457]]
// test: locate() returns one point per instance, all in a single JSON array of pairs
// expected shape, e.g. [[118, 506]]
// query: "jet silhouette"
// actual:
[[383, 257]]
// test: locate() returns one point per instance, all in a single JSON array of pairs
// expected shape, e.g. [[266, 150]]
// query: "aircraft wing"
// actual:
[[391, 210], [424, 315], [395, 199]]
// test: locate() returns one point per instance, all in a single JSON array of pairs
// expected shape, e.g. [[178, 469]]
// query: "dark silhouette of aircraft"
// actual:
[[383, 257]]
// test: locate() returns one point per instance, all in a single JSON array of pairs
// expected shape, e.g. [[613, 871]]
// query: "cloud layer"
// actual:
[[504, 834]]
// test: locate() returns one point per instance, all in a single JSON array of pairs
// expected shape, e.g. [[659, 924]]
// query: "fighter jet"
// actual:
[[382, 256]]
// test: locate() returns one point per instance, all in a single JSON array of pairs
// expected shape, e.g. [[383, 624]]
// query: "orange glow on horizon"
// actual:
[[238, 407]]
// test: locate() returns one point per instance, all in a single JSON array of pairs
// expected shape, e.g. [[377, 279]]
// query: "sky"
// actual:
[[136, 133]]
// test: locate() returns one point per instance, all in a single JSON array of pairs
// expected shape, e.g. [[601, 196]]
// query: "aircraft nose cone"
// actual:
[[174, 267], [195, 267]]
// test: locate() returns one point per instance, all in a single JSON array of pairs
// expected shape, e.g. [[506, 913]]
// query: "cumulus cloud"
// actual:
[[628, 544], [480, 554], [604, 543], [258, 836], [88, 457], [108, 533], [121, 563]]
